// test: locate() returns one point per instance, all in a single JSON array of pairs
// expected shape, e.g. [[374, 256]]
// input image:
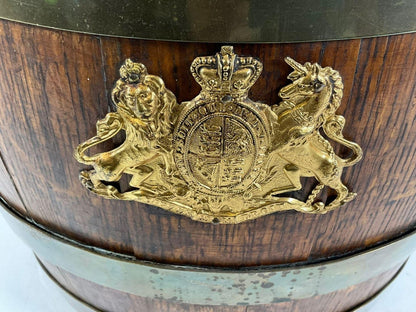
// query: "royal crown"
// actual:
[[226, 73]]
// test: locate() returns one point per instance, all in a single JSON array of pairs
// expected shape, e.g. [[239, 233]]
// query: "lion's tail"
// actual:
[[106, 129], [333, 129], [79, 153]]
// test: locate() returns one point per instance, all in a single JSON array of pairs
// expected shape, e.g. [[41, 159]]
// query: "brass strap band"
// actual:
[[76, 302], [220, 21], [208, 286], [83, 306]]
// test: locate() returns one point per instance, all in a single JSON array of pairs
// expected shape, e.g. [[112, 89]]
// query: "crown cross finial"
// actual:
[[226, 74], [226, 61]]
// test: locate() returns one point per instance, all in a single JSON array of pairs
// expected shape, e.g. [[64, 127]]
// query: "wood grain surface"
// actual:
[[55, 85], [110, 300], [9, 192]]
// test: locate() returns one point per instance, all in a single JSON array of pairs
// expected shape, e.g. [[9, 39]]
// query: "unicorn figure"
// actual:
[[309, 105]]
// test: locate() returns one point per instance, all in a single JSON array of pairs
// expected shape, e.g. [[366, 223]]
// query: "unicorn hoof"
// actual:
[[349, 197], [319, 207]]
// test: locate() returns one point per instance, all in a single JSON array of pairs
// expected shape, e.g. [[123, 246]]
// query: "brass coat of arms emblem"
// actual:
[[221, 157]]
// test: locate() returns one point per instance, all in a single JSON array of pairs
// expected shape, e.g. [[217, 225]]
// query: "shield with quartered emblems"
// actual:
[[221, 146]]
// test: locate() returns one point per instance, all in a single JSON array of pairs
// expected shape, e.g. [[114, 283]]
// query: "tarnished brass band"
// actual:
[[220, 21], [76, 302], [368, 304], [209, 286], [83, 306]]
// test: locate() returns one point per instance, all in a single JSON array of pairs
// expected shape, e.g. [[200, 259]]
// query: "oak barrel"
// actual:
[[56, 83]]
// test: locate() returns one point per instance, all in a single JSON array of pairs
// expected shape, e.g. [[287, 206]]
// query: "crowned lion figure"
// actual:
[[145, 113]]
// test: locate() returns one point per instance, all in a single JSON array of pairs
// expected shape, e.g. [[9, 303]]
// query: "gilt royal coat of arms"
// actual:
[[222, 157]]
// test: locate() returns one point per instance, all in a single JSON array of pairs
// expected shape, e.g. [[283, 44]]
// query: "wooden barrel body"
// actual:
[[56, 84]]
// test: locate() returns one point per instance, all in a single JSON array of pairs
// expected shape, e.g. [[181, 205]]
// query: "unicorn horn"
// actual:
[[295, 65]]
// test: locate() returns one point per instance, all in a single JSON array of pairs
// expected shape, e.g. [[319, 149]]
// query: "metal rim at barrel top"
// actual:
[[250, 21]]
